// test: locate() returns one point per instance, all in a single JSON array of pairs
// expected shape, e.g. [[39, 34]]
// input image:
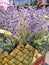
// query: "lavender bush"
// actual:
[[26, 23]]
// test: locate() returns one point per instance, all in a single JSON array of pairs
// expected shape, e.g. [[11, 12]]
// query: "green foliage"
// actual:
[[33, 4], [7, 42]]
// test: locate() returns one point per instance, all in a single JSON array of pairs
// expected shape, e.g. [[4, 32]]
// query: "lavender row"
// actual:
[[28, 18]]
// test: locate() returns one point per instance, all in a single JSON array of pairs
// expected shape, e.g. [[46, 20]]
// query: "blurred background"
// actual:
[[20, 2]]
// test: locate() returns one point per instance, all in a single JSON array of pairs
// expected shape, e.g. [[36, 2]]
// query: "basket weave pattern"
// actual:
[[19, 56]]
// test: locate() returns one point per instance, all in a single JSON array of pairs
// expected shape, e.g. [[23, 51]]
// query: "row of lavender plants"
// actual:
[[28, 24]]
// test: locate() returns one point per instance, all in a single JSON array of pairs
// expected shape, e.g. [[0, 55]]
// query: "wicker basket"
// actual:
[[21, 55]]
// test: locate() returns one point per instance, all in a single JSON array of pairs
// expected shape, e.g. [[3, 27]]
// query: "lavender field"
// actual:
[[29, 24]]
